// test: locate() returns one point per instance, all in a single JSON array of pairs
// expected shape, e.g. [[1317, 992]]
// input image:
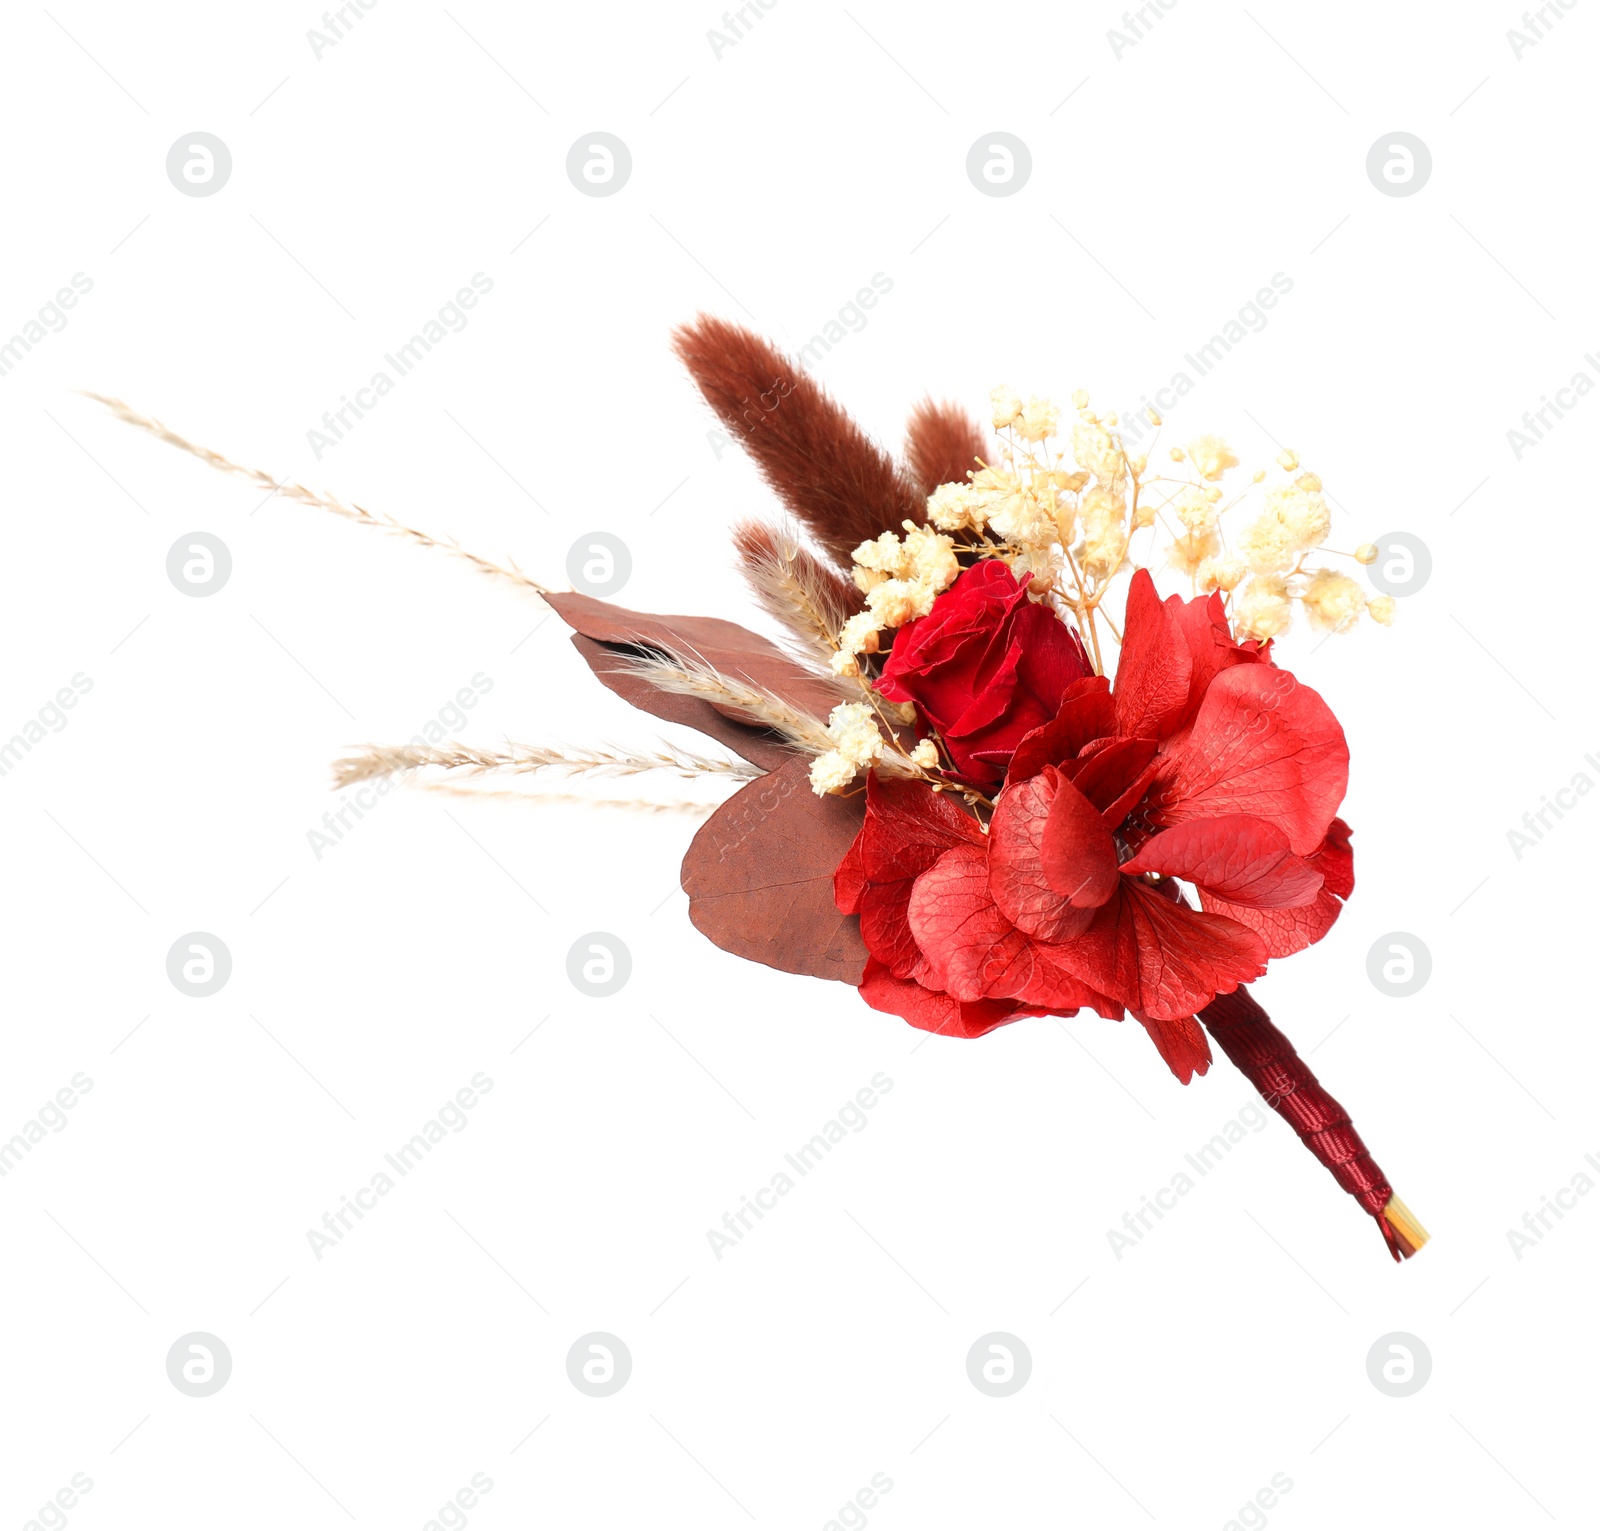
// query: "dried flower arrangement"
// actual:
[[950, 798]]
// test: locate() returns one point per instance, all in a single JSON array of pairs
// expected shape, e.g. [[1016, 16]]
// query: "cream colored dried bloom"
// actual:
[[1211, 456], [1292, 521], [1103, 551], [926, 755], [1080, 398], [1144, 514], [1381, 609], [1367, 553], [1039, 420], [853, 727], [883, 553], [831, 772], [859, 635], [1333, 601], [1219, 574], [1197, 507], [866, 578], [1094, 448], [1025, 517], [1309, 482], [844, 663], [1005, 404], [1261, 609], [930, 558], [898, 601], [1191, 550], [1288, 461], [955, 507]]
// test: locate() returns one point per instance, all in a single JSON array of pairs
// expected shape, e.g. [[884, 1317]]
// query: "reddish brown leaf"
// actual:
[[760, 872], [733, 650]]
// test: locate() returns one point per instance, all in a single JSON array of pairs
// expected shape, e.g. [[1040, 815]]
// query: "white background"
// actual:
[[768, 185]]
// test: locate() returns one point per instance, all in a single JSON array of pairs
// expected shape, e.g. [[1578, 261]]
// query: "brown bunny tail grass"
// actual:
[[840, 486], [943, 442]]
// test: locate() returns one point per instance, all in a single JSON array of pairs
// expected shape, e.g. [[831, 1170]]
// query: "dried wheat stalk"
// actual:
[[569, 799], [796, 589], [377, 520], [518, 759]]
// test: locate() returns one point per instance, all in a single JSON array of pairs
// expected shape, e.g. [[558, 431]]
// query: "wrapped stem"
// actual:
[[1268, 1060]]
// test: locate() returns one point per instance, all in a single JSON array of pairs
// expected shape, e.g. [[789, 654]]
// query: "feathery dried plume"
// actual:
[[289, 490], [687, 676], [943, 442], [841, 487], [389, 759], [796, 588]]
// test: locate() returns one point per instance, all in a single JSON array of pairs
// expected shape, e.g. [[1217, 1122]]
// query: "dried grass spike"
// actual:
[[942, 443], [811, 599], [835, 481]]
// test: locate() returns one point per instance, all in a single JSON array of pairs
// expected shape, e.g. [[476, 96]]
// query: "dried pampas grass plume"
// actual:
[[377, 520]]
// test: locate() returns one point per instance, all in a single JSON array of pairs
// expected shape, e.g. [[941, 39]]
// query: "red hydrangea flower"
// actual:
[[985, 667], [1206, 764]]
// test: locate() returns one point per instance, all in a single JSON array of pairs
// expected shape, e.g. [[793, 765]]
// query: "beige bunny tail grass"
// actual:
[[293, 491], [521, 759]]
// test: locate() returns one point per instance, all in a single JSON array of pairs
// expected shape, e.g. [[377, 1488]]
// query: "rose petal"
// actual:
[[1235, 858], [1087, 713]]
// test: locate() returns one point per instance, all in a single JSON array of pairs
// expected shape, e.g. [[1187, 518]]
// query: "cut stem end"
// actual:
[[1404, 1233]]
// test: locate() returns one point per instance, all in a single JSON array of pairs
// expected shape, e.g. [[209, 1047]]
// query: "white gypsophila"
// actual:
[[1211, 456], [1261, 610], [1219, 574], [1333, 601], [954, 508], [1040, 418], [831, 772], [853, 727], [1005, 405]]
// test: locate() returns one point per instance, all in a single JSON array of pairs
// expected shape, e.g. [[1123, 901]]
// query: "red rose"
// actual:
[[1206, 764], [985, 667]]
